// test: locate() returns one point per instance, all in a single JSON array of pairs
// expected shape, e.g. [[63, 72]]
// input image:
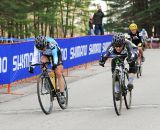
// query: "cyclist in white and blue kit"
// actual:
[[50, 52]]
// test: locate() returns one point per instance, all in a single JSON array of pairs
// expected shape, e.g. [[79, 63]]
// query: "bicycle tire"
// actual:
[[127, 94], [138, 72], [64, 105], [44, 94], [117, 103]]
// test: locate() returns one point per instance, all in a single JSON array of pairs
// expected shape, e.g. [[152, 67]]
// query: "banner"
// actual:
[[15, 58]]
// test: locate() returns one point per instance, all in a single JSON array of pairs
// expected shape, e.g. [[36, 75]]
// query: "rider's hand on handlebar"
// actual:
[[102, 61]]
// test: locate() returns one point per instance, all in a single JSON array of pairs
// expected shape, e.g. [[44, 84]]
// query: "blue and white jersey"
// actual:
[[52, 49]]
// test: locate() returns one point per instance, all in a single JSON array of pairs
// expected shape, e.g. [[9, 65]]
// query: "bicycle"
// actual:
[[47, 89], [120, 76]]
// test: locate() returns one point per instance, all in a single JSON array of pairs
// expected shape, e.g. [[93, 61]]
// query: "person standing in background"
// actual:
[[97, 21], [90, 26]]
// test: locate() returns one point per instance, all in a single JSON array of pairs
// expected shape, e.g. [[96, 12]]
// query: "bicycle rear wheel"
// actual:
[[64, 105], [117, 101], [127, 94], [44, 94]]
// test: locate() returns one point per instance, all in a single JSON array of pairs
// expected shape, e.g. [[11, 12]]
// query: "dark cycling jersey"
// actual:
[[135, 38], [127, 49]]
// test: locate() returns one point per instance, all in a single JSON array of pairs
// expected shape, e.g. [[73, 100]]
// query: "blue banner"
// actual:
[[15, 58], [5, 57], [81, 50]]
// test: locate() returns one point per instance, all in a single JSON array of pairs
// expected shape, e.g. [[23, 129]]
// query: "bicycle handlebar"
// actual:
[[118, 56], [43, 64]]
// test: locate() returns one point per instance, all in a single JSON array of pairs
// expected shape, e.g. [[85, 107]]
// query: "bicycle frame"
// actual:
[[45, 73], [119, 75], [121, 70], [50, 89]]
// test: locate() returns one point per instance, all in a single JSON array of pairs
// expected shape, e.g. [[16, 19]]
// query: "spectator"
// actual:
[[90, 29], [144, 36], [97, 21]]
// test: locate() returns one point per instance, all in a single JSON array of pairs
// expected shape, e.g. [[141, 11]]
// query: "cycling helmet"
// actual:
[[143, 30], [118, 40], [40, 42], [133, 26]]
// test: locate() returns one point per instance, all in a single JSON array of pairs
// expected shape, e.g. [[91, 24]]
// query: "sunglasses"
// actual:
[[118, 46]]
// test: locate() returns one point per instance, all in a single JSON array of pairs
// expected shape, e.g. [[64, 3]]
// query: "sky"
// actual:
[[102, 3]]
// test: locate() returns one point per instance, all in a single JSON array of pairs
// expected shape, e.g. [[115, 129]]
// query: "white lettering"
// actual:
[[78, 51], [94, 48], [3, 64], [22, 61], [64, 53], [105, 46]]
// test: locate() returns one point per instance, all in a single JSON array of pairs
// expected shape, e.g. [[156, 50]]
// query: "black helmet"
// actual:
[[40, 42], [118, 40]]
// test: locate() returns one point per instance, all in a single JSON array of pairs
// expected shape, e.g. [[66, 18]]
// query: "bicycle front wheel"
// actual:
[[117, 94], [127, 94], [65, 104], [138, 71], [44, 94]]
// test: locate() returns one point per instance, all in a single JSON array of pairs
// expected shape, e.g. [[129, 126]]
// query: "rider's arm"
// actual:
[[108, 51], [55, 55], [35, 58]]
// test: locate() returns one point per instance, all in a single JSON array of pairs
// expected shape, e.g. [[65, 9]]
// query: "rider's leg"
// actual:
[[132, 71], [44, 59], [141, 52], [59, 71]]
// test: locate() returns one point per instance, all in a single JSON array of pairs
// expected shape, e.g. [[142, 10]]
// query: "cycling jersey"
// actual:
[[144, 35], [135, 38], [127, 49], [52, 50]]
